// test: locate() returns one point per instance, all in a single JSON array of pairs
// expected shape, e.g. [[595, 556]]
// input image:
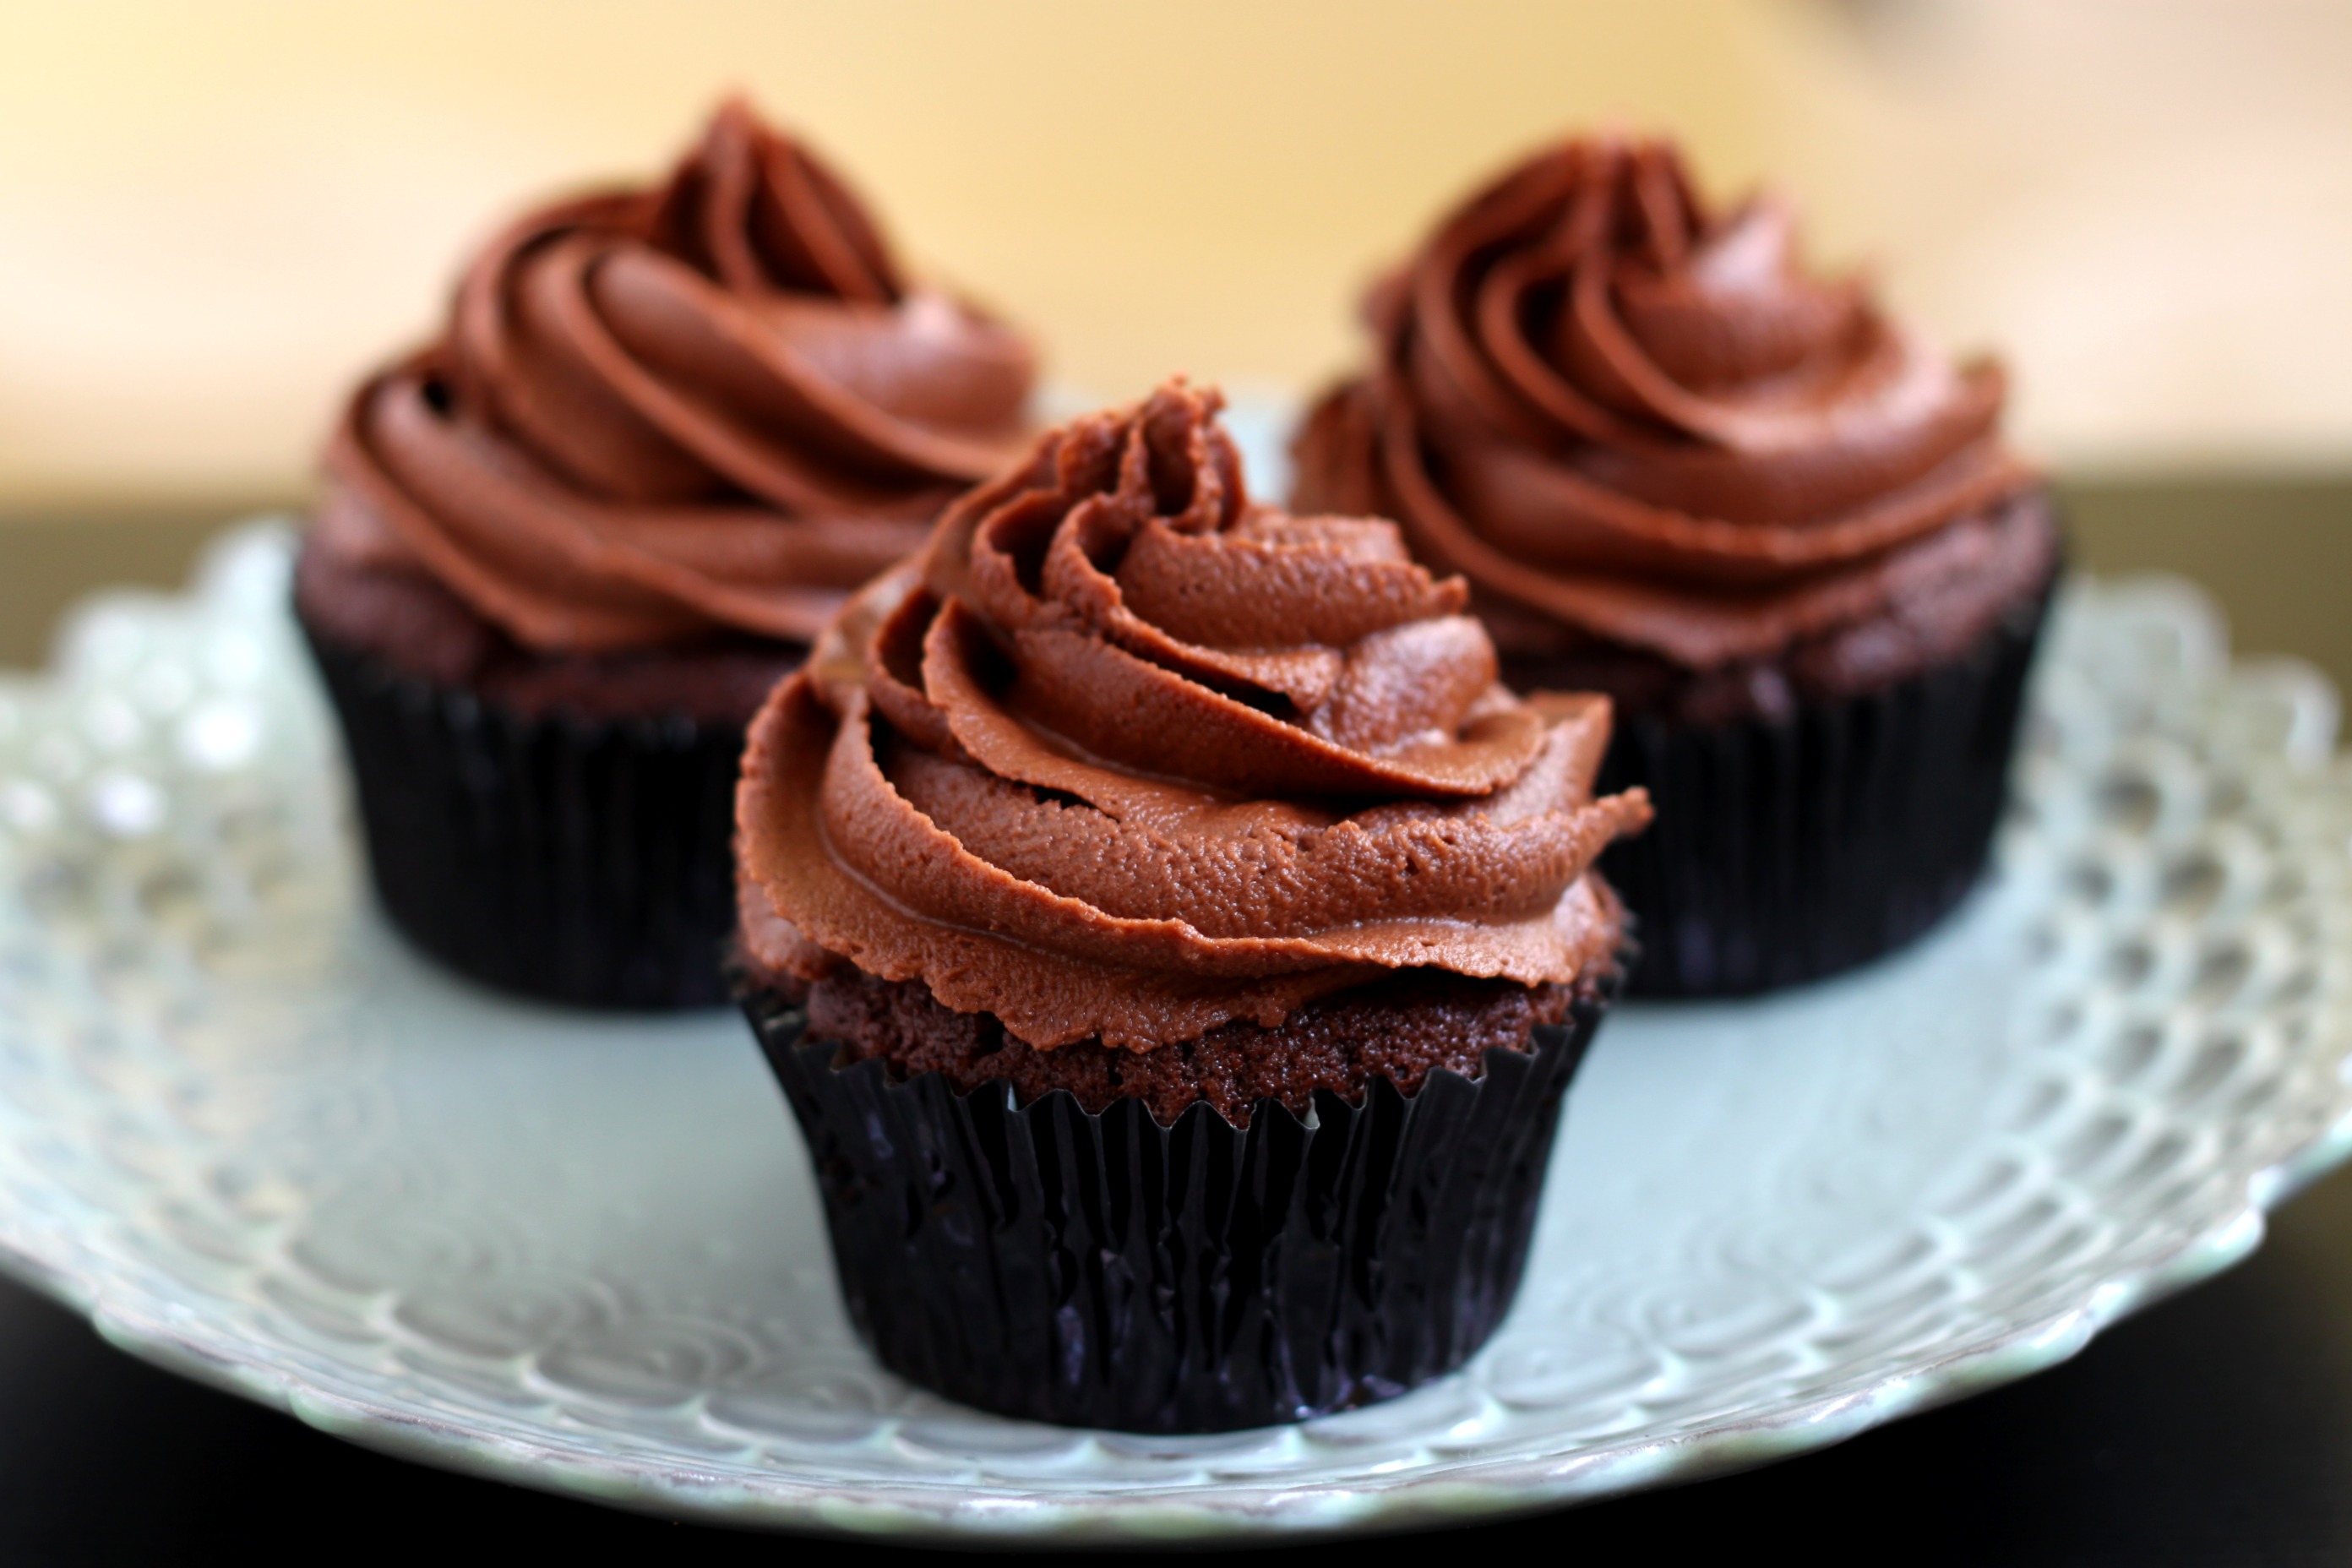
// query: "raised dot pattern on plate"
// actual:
[[261, 1142]]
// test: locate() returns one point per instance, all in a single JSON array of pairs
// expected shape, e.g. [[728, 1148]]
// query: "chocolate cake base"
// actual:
[[524, 825], [415, 627], [1807, 835], [1398, 1029], [1023, 1253]]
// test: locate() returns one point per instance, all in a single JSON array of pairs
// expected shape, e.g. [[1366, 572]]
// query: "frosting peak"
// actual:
[[757, 213], [713, 404], [1619, 409], [1123, 756]]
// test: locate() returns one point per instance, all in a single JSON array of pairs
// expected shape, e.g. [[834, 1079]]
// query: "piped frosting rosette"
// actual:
[[1620, 412], [713, 404], [1123, 756]]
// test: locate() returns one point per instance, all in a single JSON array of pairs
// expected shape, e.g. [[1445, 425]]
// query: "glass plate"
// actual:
[[260, 1143]]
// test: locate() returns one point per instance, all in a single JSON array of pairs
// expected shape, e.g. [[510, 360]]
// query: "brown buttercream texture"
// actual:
[[1124, 757], [655, 413], [1630, 418]]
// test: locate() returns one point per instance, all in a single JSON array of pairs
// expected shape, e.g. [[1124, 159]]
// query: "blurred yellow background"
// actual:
[[213, 216]]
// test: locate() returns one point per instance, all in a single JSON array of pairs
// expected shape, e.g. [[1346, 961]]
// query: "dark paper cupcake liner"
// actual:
[[1103, 1271], [575, 860], [1786, 850]]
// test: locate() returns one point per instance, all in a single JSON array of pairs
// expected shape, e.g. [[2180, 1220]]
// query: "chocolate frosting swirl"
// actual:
[[1122, 756], [714, 405], [1616, 410]]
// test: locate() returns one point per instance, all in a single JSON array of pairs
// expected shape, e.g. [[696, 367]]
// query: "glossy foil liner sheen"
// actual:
[[1786, 851], [1103, 1271], [583, 861]]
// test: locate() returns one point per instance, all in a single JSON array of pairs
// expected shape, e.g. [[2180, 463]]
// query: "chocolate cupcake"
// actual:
[[1782, 533], [566, 550], [1174, 942]]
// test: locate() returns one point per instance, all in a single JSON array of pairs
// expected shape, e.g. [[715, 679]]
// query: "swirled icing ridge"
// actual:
[[1616, 410], [1123, 756], [659, 413]]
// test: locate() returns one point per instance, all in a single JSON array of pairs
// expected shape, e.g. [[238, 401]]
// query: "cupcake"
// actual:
[[565, 550], [1781, 532], [1173, 942]]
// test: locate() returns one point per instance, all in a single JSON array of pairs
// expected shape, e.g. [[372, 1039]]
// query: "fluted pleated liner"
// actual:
[[1103, 1271], [1786, 851], [575, 860]]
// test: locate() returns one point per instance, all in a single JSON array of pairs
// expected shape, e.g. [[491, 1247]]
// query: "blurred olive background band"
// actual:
[[2274, 550]]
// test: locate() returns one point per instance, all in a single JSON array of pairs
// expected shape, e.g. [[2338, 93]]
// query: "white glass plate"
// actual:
[[260, 1143]]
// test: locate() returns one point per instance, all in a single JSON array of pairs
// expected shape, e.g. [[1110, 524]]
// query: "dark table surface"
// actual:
[[2215, 1427]]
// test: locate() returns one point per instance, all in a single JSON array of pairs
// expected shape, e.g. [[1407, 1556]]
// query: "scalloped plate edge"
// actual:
[[947, 1514]]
